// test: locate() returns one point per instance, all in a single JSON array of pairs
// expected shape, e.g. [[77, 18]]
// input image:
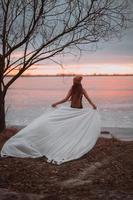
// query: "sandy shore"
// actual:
[[104, 173]]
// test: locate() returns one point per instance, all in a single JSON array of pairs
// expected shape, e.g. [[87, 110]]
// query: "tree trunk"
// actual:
[[2, 96], [2, 112]]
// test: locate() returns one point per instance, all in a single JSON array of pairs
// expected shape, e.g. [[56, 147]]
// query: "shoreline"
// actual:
[[105, 172]]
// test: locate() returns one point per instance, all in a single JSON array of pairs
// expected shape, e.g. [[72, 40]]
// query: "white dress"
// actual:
[[61, 134]]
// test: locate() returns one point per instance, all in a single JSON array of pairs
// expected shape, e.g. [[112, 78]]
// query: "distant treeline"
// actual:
[[60, 75]]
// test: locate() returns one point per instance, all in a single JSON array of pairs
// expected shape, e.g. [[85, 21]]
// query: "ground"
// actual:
[[105, 173]]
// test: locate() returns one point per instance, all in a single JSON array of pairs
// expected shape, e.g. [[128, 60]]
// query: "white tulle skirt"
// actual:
[[60, 134]]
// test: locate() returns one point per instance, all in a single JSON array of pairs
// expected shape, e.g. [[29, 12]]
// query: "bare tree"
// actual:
[[34, 30]]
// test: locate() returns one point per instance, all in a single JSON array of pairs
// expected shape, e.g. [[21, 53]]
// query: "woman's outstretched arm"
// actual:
[[63, 100], [87, 97]]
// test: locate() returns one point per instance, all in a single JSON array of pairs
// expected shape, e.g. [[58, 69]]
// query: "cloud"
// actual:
[[115, 56]]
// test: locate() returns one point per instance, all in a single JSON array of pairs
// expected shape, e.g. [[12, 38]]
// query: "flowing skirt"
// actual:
[[60, 134]]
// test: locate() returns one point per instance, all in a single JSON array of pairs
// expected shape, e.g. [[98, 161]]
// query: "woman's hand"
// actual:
[[54, 105]]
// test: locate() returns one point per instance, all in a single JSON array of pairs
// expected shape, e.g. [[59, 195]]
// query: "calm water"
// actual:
[[29, 96]]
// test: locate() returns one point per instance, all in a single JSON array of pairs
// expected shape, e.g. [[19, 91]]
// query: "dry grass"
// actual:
[[106, 172]]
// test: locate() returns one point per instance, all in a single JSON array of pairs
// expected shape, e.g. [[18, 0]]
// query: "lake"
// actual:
[[28, 98]]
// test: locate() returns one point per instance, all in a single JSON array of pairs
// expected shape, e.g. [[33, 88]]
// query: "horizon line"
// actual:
[[48, 75]]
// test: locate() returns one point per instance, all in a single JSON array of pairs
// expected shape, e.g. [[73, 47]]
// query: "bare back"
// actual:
[[76, 95], [76, 102]]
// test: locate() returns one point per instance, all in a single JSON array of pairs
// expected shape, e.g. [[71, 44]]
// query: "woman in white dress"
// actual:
[[62, 133]]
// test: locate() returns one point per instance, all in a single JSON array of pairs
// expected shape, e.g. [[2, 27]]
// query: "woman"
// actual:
[[61, 134], [76, 93]]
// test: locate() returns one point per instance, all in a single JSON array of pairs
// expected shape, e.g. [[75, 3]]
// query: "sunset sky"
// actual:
[[112, 57]]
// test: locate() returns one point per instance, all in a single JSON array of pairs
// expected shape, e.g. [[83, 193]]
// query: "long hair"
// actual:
[[77, 90]]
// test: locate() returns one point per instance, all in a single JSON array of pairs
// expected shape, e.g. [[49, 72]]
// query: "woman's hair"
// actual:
[[77, 86], [77, 79]]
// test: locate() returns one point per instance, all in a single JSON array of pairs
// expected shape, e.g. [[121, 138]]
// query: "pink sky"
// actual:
[[114, 57]]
